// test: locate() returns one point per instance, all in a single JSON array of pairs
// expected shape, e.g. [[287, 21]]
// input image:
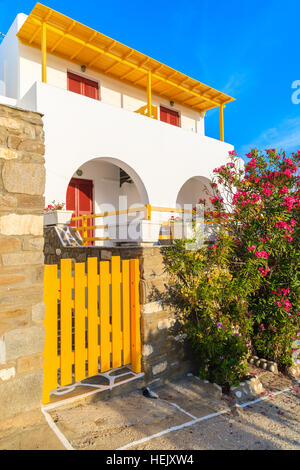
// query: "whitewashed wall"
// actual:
[[111, 91], [159, 157]]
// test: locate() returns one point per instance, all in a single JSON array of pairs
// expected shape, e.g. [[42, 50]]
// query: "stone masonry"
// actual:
[[22, 183], [163, 353]]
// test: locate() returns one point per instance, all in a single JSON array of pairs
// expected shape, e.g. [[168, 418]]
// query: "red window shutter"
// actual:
[[74, 83], [170, 116], [83, 86], [90, 89]]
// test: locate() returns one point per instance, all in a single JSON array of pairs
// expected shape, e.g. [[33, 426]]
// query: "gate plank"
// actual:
[[126, 311], [66, 357], [80, 313], [135, 316], [105, 327], [116, 312], [93, 319], [50, 348]]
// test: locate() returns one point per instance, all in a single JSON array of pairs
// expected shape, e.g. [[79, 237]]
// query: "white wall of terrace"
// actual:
[[79, 129]]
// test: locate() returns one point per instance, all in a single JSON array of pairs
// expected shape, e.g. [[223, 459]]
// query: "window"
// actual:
[[83, 86], [170, 116]]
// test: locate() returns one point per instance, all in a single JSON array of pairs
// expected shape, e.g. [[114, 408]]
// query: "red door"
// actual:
[[170, 116], [80, 201], [83, 86]]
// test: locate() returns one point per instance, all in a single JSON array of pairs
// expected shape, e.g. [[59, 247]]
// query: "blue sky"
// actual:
[[248, 49]]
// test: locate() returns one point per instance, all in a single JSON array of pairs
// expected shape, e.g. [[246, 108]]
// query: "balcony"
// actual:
[[159, 156], [54, 33]]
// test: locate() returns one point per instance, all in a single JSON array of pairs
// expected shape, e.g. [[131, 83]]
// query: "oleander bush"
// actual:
[[244, 288]]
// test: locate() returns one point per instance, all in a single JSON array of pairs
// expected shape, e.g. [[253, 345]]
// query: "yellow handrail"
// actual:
[[147, 209]]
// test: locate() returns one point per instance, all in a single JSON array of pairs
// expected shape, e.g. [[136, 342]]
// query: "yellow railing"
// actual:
[[115, 307], [147, 209], [145, 111]]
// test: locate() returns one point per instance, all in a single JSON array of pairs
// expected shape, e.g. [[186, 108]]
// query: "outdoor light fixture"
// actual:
[[79, 172], [171, 103], [83, 68]]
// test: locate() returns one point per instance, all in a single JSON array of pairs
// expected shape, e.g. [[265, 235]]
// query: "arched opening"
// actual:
[[195, 188], [105, 185]]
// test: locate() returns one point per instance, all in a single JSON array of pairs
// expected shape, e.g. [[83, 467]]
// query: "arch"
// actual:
[[143, 193], [105, 174], [193, 189]]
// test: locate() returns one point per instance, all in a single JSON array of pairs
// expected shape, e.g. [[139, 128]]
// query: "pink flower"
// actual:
[[284, 190], [288, 173], [262, 326], [265, 271], [262, 254], [216, 199], [252, 162], [267, 192], [251, 248]]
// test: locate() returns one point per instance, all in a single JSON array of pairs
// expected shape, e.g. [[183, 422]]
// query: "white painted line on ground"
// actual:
[[265, 397], [68, 446], [181, 409], [67, 401], [197, 420], [56, 431], [173, 428]]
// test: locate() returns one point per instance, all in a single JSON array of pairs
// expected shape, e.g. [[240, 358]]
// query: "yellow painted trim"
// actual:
[[221, 124], [44, 52], [60, 20], [149, 97]]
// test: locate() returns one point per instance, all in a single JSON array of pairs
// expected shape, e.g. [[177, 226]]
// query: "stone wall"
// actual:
[[163, 352], [22, 183]]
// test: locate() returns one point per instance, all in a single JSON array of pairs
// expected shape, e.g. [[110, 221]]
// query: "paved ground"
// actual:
[[179, 419]]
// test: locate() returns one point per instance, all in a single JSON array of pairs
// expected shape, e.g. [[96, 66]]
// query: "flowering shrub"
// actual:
[[55, 206], [245, 286], [211, 308], [264, 222]]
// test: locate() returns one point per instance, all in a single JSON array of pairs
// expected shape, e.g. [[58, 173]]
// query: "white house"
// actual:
[[117, 122]]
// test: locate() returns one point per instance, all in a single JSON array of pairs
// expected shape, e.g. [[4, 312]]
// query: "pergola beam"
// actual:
[[82, 47], [62, 38], [44, 52], [124, 61], [149, 97]]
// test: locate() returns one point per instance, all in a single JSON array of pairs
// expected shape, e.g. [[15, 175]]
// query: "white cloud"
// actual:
[[286, 136]]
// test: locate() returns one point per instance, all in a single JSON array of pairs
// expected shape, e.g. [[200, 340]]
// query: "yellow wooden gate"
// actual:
[[92, 320]]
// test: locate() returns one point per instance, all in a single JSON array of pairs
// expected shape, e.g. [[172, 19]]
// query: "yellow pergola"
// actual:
[[57, 34]]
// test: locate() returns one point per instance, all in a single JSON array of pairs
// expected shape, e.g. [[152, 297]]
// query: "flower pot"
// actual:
[[58, 217]]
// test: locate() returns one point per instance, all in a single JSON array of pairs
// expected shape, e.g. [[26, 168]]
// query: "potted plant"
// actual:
[[55, 214]]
